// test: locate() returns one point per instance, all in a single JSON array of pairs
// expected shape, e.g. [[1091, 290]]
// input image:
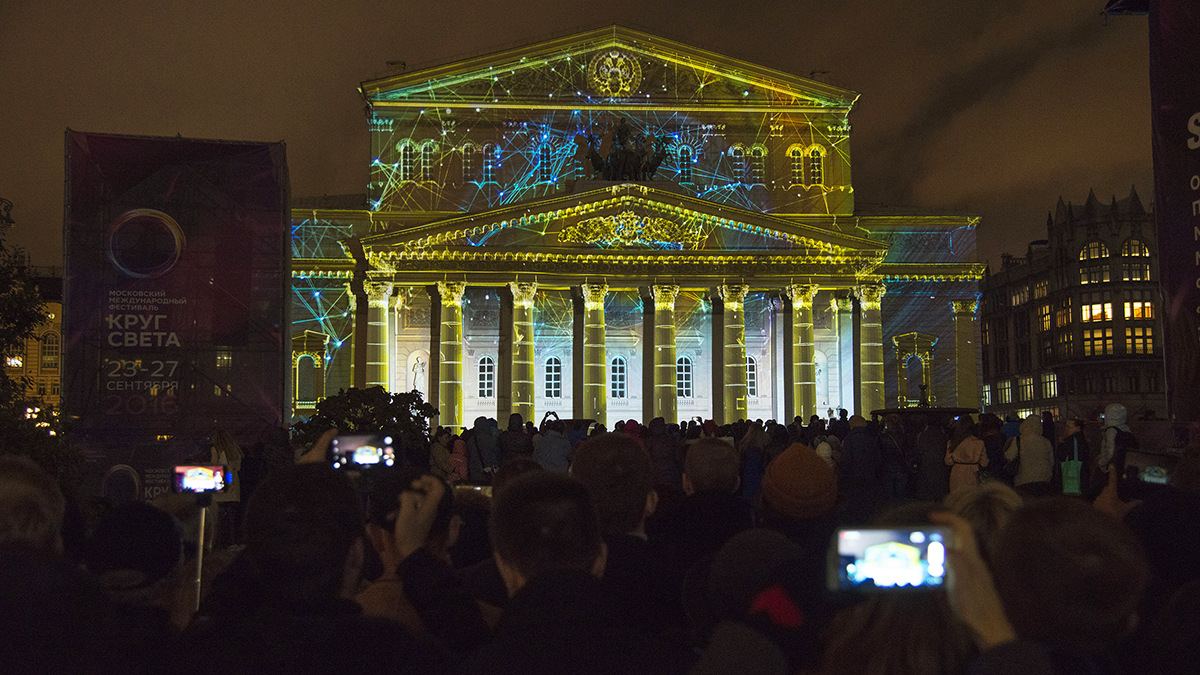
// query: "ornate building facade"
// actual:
[[612, 225], [1076, 323]]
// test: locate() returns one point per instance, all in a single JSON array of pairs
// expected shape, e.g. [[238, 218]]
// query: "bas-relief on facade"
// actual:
[[616, 226]]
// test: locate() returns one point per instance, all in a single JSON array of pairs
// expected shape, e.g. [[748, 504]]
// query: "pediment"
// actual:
[[612, 65], [622, 218]]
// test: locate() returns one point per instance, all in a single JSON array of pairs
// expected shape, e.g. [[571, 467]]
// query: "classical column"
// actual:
[[843, 327], [870, 298], [450, 355], [804, 351], [732, 298], [665, 403], [379, 299], [523, 389], [966, 379], [595, 359]]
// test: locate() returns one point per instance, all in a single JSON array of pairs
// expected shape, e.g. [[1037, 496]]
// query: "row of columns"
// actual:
[[730, 402]]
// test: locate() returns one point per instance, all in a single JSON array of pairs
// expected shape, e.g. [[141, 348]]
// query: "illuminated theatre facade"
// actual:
[[616, 226]]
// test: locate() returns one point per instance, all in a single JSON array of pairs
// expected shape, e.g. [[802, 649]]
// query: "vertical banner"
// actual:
[[1175, 92], [177, 256]]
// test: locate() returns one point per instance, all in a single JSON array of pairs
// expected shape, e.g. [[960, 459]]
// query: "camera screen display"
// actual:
[[362, 450], [200, 478], [891, 559]]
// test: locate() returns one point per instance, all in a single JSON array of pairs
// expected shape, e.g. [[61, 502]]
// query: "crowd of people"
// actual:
[[568, 548]]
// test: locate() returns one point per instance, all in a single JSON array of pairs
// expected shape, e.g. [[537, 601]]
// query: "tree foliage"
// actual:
[[404, 415], [25, 422]]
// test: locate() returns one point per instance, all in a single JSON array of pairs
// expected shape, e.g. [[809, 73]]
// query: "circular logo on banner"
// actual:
[[144, 243], [614, 73]]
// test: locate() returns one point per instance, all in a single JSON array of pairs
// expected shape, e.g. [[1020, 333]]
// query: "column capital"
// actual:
[[870, 296], [802, 295], [664, 295], [379, 293], [964, 306], [523, 292], [593, 295], [451, 292], [733, 296], [841, 304]]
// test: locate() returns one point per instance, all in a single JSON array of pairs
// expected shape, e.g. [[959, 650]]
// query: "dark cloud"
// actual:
[[977, 107]]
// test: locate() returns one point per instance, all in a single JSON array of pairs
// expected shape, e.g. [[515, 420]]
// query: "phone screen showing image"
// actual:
[[889, 559], [200, 479], [361, 451]]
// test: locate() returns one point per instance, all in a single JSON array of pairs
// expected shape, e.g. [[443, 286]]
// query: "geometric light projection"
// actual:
[[561, 115]]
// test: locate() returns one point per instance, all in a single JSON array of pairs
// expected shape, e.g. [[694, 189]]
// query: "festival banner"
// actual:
[[177, 261], [1175, 94]]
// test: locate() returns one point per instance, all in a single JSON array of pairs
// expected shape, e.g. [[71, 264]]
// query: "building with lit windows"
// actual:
[[1076, 323], [39, 364], [612, 225]]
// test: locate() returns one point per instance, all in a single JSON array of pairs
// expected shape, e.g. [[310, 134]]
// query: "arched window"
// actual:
[[408, 160], [1133, 248], [1093, 250], [546, 164], [816, 166], [751, 377], [758, 164], [553, 377], [684, 158], [491, 162], [306, 381], [617, 378], [50, 351], [427, 161], [683, 377], [796, 155], [738, 155], [468, 163], [487, 377]]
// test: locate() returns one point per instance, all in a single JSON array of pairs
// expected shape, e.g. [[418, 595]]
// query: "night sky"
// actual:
[[987, 108]]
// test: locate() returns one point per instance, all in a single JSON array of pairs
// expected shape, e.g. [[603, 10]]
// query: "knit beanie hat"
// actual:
[[799, 484]]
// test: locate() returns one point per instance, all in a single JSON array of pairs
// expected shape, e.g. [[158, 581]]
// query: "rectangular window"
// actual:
[[1139, 340], [1044, 317], [1046, 349], [1062, 316], [987, 394], [1137, 271], [1098, 342], [1025, 388], [683, 377], [1002, 361], [1021, 325], [1100, 311], [1004, 391], [1094, 274], [1138, 305], [751, 377], [1019, 296], [985, 333], [1049, 385], [1065, 348], [1041, 289]]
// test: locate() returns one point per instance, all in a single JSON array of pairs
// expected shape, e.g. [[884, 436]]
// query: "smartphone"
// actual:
[[201, 479], [360, 451], [888, 559]]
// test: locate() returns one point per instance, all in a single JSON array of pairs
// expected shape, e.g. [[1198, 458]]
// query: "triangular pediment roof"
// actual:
[[623, 217], [612, 65]]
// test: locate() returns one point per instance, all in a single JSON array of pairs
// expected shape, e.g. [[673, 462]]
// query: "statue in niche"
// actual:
[[630, 157], [418, 370]]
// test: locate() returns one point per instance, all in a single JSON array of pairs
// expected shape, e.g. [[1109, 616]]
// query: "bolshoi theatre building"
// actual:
[[612, 225]]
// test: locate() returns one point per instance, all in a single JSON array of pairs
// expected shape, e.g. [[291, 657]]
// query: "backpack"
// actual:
[[1013, 466]]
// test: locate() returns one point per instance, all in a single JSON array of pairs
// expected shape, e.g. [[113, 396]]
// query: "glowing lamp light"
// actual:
[[316, 294]]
